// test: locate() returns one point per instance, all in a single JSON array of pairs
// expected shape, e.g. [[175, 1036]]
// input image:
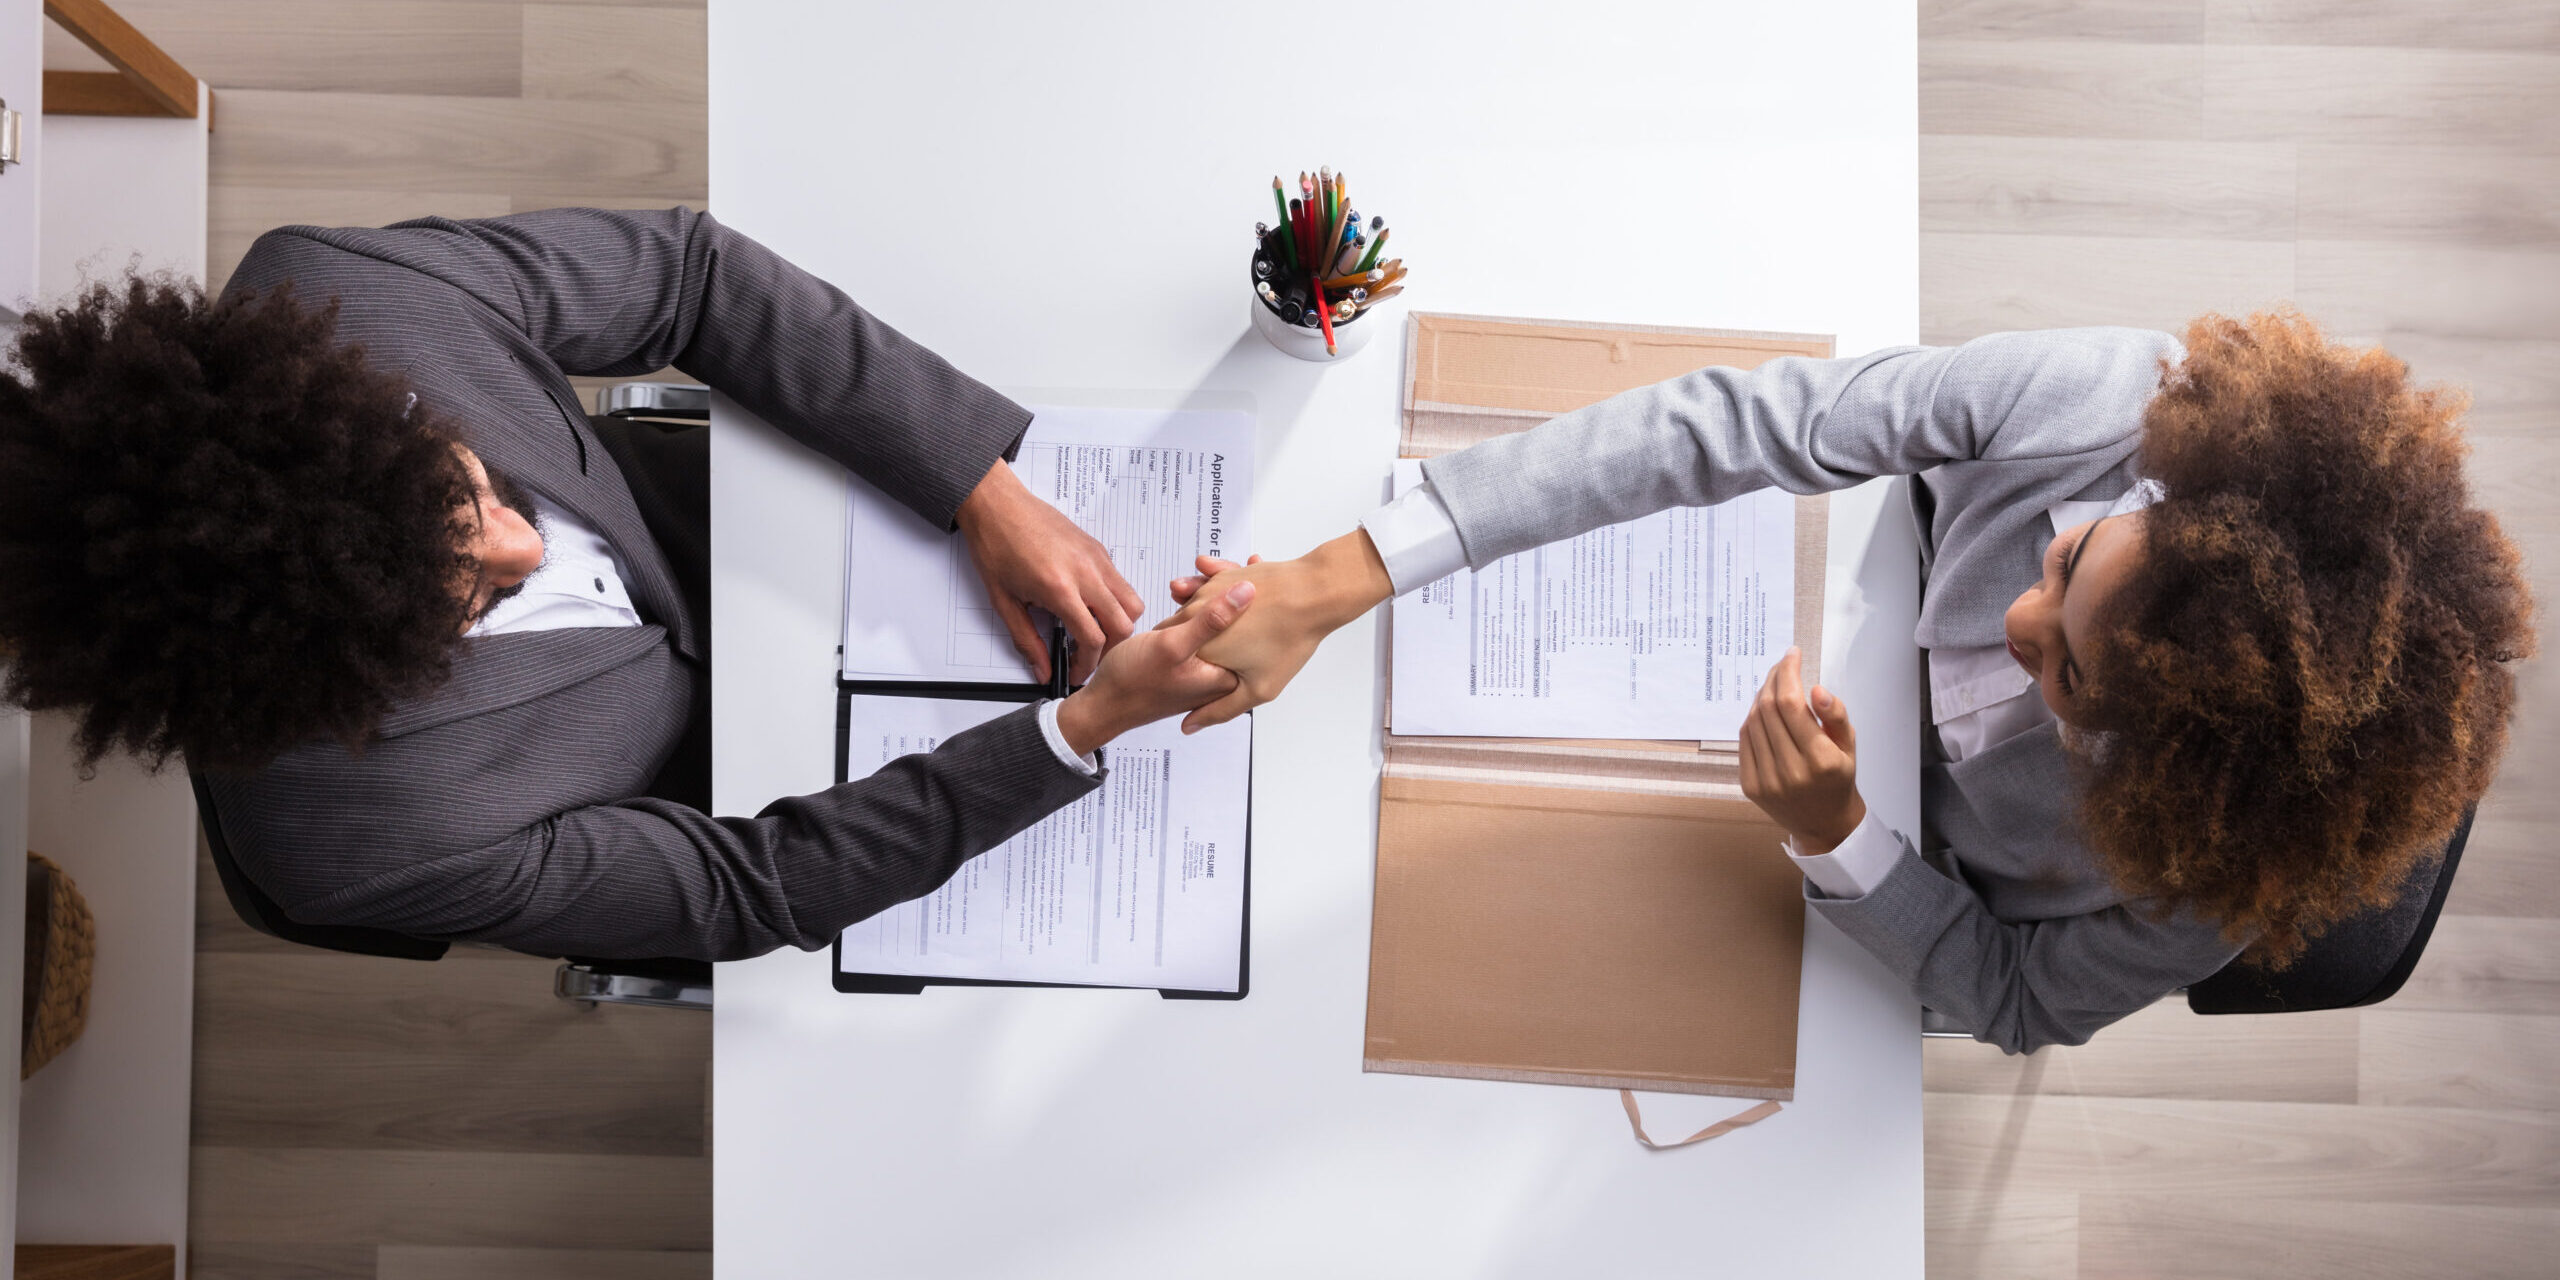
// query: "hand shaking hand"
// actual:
[[1301, 602], [1156, 674]]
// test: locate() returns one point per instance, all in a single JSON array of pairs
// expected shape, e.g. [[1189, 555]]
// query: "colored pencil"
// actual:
[[1374, 246], [1324, 317], [1282, 203], [1333, 236]]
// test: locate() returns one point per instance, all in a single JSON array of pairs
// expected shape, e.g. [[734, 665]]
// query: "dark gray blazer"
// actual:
[[1999, 915], [506, 806]]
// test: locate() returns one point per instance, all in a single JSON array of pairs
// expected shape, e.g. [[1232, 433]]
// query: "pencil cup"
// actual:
[[1308, 343]]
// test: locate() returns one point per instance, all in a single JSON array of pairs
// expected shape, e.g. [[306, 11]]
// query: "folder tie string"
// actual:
[[1752, 1115]]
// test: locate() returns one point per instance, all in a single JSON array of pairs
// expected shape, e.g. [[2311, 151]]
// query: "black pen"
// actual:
[[1058, 660]]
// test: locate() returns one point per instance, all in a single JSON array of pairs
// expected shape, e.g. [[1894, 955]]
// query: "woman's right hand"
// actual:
[[1302, 601], [1155, 674]]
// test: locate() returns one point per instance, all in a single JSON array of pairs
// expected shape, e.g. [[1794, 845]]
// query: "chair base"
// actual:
[[580, 982]]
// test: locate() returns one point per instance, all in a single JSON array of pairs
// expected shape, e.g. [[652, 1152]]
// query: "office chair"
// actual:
[[2358, 961]]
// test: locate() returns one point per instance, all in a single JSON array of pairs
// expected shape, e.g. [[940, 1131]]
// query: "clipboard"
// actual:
[[906, 984]]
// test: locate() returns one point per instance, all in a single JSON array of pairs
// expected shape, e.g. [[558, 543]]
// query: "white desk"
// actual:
[[1724, 164]]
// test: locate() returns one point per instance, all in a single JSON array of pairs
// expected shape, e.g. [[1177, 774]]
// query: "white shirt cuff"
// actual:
[[1416, 538], [1854, 869], [1085, 765]]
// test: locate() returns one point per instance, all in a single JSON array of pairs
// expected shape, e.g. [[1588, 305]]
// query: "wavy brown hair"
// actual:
[[222, 533], [2306, 678]]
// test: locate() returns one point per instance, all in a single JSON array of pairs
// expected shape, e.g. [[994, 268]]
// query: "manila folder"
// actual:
[[1640, 938]]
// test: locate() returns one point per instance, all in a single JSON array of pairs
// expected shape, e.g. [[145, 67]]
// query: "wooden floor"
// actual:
[[2391, 165]]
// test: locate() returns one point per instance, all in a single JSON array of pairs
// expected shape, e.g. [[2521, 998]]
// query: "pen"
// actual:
[[1374, 246], [1057, 660]]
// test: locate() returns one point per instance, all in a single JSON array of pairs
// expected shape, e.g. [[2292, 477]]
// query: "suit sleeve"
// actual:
[[2025, 985], [645, 878], [608, 292], [1802, 425]]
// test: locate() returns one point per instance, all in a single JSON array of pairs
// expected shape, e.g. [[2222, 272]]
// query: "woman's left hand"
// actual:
[[1801, 771]]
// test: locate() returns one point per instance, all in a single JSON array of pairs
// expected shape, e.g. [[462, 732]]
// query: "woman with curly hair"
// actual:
[[2218, 642]]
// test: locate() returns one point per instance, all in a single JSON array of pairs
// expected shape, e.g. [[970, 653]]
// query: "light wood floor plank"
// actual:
[[2445, 195], [2168, 1051], [455, 1057], [2411, 1058], [2514, 385], [2012, 1234], [2507, 25], [468, 1198], [617, 54], [412, 1262], [2128, 1146], [2165, 21], [365, 46], [237, 1261], [2382, 97], [2488, 964], [403, 142], [2507, 866], [2107, 187], [2451, 290], [2061, 89], [2515, 471], [2219, 1238], [1974, 284]]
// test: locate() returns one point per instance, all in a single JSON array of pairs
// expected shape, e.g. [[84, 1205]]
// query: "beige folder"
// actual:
[[1611, 914]]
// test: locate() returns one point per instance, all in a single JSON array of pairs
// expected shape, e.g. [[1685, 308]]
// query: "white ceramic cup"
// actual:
[[1306, 342]]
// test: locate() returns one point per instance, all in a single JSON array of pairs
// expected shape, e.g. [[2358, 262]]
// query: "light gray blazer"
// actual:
[[1998, 915], [507, 805]]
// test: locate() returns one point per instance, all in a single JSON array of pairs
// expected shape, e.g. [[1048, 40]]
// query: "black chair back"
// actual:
[[2359, 961], [261, 913]]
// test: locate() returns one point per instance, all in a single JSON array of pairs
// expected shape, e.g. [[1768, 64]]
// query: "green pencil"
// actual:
[[1371, 259], [1282, 202]]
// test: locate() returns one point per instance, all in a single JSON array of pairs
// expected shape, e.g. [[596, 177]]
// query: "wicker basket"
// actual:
[[62, 939]]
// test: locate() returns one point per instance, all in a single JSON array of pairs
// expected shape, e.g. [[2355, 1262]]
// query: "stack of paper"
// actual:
[[1141, 883]]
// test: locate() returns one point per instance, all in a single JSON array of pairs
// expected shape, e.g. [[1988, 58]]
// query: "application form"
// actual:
[[1661, 627], [1156, 487], [1139, 884]]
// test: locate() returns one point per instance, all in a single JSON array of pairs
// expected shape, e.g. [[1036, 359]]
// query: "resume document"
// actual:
[[1139, 884], [1661, 627]]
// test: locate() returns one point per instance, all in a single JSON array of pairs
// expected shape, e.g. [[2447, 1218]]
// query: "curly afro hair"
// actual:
[[222, 534], [2305, 680]]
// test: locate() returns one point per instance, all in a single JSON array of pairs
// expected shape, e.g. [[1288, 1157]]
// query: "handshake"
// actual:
[[1243, 632]]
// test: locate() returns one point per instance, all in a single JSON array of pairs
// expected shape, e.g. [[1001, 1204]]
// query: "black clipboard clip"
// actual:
[[900, 984]]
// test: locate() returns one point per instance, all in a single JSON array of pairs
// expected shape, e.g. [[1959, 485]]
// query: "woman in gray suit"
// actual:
[[2218, 642]]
